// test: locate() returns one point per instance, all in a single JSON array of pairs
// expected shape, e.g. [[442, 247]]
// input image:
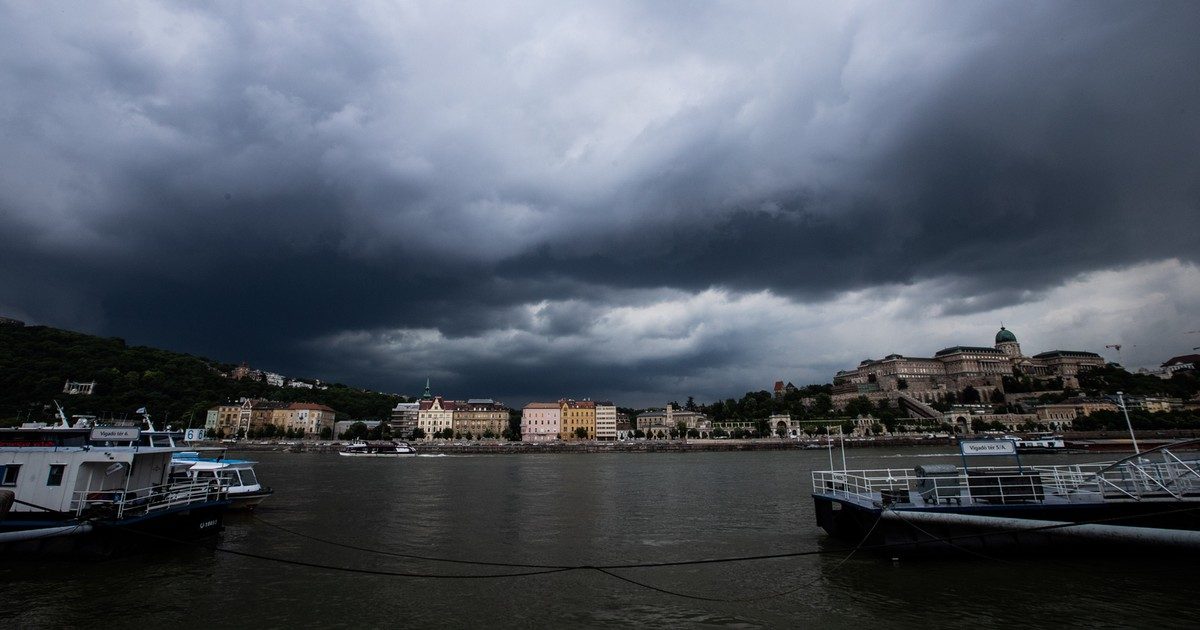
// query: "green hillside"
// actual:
[[36, 361]]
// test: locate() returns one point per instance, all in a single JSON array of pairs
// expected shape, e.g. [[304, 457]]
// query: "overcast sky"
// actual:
[[626, 201]]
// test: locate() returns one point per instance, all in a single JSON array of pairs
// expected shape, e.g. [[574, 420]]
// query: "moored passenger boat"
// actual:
[[96, 489], [359, 448], [1148, 500], [236, 475], [1047, 443]]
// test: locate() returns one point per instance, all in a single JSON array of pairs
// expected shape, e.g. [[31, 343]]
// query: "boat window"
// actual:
[[231, 476], [206, 474], [248, 478], [56, 474], [10, 475]]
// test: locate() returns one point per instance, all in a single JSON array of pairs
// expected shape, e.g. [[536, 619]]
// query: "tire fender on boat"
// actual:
[[6, 500]]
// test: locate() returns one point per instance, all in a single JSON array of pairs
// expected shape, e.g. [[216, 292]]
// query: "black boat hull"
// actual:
[[853, 523]]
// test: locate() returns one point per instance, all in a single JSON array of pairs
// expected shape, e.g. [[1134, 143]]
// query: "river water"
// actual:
[[576, 510]]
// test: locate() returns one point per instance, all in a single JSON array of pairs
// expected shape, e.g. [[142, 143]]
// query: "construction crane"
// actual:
[[1117, 347]]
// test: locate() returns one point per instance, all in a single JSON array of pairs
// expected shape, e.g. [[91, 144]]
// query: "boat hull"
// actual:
[[248, 500], [38, 535], [345, 454], [894, 536]]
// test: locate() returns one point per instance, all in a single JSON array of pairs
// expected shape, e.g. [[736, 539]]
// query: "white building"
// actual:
[[606, 421], [435, 415]]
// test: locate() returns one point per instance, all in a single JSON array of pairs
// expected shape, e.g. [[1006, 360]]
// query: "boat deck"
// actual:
[[939, 485]]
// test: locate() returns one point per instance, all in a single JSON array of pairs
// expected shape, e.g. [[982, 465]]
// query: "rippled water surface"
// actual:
[[575, 510]]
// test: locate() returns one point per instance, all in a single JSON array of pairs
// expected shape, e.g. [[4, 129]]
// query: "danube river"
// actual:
[[575, 510]]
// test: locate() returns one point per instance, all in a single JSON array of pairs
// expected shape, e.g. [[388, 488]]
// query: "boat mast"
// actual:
[[1121, 399], [62, 415]]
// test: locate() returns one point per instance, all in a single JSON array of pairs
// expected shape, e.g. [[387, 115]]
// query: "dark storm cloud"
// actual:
[[1040, 157], [239, 180]]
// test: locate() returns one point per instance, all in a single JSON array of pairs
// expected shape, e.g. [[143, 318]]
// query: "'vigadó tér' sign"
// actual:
[[987, 447]]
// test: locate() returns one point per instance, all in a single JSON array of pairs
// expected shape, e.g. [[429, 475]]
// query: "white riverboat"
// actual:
[[1039, 443], [236, 475], [359, 448], [96, 490], [1147, 500]]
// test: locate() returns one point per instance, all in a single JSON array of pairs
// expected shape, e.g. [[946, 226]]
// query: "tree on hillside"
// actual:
[[356, 431]]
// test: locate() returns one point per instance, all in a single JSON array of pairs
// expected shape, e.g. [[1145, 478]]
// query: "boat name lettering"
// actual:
[[988, 447], [121, 434]]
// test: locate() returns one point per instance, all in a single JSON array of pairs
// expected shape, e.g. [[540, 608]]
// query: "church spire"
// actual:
[[427, 395]]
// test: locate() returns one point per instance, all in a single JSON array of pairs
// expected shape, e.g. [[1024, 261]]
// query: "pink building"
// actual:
[[540, 422]]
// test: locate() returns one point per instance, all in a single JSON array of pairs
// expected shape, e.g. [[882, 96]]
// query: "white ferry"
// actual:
[[359, 448], [96, 489], [1039, 443], [1147, 500]]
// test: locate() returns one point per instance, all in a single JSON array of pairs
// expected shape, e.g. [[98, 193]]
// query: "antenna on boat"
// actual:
[[146, 418], [1121, 399], [829, 448], [62, 415], [842, 439]]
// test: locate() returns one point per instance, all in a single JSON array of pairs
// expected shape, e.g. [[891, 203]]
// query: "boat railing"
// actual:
[[1138, 479], [122, 503]]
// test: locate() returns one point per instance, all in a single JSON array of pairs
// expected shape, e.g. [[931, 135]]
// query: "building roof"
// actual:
[[311, 407], [1005, 335], [541, 405], [956, 349], [447, 405], [1182, 359], [1067, 353]]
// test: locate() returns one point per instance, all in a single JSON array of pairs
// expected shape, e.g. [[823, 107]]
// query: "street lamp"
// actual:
[[1121, 399]]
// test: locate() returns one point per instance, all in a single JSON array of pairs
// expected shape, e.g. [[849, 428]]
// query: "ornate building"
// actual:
[[956, 368], [478, 416]]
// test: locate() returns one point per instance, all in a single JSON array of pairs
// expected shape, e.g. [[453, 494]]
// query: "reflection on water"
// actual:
[[574, 510]]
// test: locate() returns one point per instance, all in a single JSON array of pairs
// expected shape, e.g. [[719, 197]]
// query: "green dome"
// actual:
[[1005, 335]]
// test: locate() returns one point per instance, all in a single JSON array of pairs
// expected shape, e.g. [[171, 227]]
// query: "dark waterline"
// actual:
[[573, 510]]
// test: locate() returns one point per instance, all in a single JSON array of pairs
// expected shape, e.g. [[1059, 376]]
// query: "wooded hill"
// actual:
[[36, 361]]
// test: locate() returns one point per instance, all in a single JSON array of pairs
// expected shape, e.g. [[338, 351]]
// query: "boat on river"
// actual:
[[1147, 500], [360, 448], [236, 475], [96, 490], [1047, 443]]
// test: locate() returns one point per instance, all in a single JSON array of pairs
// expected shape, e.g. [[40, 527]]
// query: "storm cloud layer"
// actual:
[[636, 201]]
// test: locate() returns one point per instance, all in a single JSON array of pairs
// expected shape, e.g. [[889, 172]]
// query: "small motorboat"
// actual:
[[235, 475]]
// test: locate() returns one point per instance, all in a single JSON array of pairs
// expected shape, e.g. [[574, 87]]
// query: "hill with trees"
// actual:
[[36, 362]]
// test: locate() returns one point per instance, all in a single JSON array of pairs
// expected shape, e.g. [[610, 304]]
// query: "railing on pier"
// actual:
[[1135, 479], [123, 503]]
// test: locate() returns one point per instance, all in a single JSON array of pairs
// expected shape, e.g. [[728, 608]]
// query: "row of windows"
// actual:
[[12, 471]]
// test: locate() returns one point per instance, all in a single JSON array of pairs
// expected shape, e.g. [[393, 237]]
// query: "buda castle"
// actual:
[[954, 369]]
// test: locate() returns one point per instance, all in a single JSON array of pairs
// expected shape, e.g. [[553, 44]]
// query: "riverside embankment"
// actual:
[[1077, 440]]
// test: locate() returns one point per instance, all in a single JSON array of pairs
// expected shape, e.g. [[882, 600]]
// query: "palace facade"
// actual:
[[955, 368]]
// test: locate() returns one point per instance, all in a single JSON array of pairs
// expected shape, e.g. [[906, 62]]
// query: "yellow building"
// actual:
[[577, 415], [307, 418]]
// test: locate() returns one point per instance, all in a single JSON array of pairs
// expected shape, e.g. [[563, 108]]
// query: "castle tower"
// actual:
[[1006, 342]]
